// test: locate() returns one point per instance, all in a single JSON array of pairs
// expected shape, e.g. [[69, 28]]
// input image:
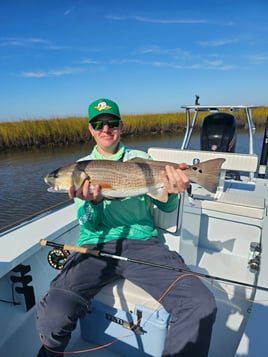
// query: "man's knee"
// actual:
[[196, 301], [57, 315]]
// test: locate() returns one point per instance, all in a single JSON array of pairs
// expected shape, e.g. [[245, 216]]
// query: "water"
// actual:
[[24, 193]]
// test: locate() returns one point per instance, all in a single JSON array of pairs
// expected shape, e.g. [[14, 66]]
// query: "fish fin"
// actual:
[[206, 173], [54, 190], [105, 186], [159, 194], [139, 160]]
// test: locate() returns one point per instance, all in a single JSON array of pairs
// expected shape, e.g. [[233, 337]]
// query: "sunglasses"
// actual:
[[112, 124]]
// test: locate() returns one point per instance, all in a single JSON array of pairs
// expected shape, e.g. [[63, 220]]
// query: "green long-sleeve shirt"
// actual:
[[129, 217]]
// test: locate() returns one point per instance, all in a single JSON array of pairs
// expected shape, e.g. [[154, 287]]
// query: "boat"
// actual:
[[222, 236]]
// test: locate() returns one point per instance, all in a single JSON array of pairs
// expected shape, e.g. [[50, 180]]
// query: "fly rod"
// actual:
[[98, 253]]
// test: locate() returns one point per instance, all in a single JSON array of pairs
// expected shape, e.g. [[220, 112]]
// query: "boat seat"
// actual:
[[237, 162], [122, 294], [233, 162]]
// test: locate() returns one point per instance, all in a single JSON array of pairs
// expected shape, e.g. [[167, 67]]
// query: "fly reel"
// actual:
[[57, 258]]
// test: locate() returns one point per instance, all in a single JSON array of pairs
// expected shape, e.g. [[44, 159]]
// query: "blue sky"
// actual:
[[57, 56]]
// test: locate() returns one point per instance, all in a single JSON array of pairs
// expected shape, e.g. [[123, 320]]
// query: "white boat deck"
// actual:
[[213, 234]]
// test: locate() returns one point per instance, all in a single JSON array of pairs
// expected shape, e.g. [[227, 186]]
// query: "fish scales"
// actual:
[[123, 177], [131, 178]]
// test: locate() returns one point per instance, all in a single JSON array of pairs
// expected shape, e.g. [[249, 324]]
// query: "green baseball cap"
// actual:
[[103, 106]]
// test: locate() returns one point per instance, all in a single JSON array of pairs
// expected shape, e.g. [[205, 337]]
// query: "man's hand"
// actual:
[[175, 180], [87, 193]]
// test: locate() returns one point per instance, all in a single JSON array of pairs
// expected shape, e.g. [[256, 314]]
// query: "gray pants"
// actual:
[[191, 304]]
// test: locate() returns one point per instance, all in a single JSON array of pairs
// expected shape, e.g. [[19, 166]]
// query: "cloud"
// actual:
[[157, 21], [29, 42], [51, 73], [218, 43], [90, 61], [170, 21], [22, 42], [68, 11], [172, 52], [257, 59], [217, 65]]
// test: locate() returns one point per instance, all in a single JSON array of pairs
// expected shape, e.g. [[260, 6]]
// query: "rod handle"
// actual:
[[72, 248]]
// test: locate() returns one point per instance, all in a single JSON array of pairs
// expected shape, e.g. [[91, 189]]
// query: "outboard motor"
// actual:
[[218, 133]]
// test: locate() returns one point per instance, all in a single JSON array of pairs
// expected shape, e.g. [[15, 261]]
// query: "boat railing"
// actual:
[[20, 244], [196, 109], [26, 220]]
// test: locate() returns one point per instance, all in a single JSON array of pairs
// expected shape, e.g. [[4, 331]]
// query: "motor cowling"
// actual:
[[218, 133]]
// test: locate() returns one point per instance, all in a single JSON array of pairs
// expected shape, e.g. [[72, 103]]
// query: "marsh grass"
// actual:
[[27, 134]]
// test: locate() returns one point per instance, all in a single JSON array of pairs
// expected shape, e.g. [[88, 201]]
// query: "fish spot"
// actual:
[[195, 168]]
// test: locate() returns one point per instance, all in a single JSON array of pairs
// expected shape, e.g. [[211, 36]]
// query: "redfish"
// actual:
[[130, 178]]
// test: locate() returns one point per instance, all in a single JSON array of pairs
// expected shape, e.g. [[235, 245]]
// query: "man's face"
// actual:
[[106, 130]]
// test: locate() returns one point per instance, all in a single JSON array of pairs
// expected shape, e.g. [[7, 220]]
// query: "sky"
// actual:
[[150, 56]]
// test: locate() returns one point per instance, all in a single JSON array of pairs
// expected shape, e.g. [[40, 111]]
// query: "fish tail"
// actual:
[[207, 173]]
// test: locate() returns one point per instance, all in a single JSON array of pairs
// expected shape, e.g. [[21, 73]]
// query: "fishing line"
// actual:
[[98, 253], [132, 328]]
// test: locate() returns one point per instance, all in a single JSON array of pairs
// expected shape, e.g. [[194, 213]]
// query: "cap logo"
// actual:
[[102, 106]]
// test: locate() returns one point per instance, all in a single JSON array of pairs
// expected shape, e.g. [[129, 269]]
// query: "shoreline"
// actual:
[[34, 134]]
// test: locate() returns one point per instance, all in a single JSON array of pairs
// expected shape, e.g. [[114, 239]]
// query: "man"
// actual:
[[125, 227]]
